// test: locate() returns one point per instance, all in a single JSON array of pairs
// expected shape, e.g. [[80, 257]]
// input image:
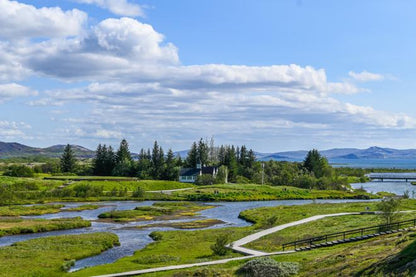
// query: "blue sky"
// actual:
[[274, 75]]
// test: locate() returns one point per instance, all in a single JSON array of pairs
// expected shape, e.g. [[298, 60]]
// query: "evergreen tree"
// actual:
[[124, 162], [171, 171], [109, 161], [192, 158], [99, 160], [157, 161], [68, 161], [143, 165], [203, 152], [316, 163]]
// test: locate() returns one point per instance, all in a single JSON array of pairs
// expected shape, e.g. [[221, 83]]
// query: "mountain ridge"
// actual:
[[14, 149]]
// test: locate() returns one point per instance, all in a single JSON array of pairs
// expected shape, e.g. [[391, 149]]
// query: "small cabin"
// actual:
[[189, 175]]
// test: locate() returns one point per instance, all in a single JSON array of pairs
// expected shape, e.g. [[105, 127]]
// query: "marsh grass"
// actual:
[[50, 256], [14, 226]]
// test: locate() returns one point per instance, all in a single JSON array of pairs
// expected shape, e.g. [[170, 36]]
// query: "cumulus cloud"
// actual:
[[365, 76], [8, 91], [21, 21], [112, 49], [136, 86], [118, 7]]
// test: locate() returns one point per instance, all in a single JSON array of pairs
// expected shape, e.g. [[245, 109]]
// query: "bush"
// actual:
[[19, 171], [138, 193], [205, 180], [219, 247], [266, 266]]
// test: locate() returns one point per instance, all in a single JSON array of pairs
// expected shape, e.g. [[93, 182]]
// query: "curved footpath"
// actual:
[[236, 246]]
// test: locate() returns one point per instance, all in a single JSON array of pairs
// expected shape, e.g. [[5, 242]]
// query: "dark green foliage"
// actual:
[[192, 159], [19, 171], [171, 171], [157, 162], [219, 247], [124, 161], [266, 266], [138, 192], [316, 164], [104, 161], [68, 161]]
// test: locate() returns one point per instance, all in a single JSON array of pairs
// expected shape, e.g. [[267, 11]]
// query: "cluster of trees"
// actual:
[[151, 164], [236, 164]]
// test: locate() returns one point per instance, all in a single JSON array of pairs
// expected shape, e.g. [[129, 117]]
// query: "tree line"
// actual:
[[236, 164]]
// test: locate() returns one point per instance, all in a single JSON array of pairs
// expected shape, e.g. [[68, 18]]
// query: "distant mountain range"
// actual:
[[13, 149], [343, 153]]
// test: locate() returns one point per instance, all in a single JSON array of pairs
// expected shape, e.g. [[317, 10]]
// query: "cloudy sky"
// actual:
[[274, 75]]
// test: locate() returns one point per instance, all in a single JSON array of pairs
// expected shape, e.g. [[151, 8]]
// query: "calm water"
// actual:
[[375, 163], [398, 188], [132, 239]]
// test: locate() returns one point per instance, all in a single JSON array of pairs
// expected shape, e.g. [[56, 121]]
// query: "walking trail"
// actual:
[[236, 246]]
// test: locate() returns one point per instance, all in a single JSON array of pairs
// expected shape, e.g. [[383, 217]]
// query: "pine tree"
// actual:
[[124, 162], [171, 172], [203, 152], [99, 159], [192, 158], [68, 161], [316, 163]]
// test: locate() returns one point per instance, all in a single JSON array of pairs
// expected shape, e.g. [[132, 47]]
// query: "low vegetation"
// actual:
[[51, 256], [158, 211], [15, 225], [195, 224], [18, 210], [82, 208]]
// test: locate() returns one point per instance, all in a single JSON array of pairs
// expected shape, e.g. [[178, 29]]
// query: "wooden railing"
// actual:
[[349, 234]]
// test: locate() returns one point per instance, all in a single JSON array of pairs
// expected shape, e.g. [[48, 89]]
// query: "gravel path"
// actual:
[[236, 246]]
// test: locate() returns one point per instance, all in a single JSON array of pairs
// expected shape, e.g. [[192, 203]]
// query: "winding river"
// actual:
[[133, 239]]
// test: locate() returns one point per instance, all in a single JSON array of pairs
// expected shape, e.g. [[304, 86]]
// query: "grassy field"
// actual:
[[273, 242], [158, 211], [147, 185], [51, 256], [386, 255], [18, 210], [170, 247], [181, 247], [195, 224], [251, 192], [30, 184], [15, 225], [82, 208]]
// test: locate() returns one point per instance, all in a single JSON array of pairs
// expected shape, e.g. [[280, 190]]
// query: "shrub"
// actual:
[[219, 247], [205, 180], [138, 193], [19, 171], [266, 266]]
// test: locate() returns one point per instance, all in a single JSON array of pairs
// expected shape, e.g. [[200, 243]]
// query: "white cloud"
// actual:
[[12, 129], [118, 7], [21, 21], [8, 91], [365, 76], [136, 87]]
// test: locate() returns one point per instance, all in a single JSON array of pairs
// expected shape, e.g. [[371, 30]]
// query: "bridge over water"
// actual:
[[392, 177]]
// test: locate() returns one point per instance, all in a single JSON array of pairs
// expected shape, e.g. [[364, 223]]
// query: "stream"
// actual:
[[132, 239]]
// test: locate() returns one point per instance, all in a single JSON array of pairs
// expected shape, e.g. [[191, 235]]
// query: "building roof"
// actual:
[[189, 172], [208, 170]]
